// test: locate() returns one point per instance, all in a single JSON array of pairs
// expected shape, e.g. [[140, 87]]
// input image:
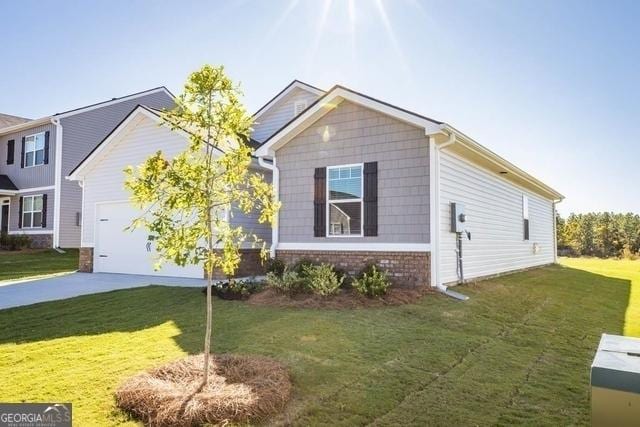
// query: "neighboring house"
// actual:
[[360, 181], [36, 155], [106, 246]]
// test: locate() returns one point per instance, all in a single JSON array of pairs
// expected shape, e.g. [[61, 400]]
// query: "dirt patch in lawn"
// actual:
[[346, 299], [240, 389]]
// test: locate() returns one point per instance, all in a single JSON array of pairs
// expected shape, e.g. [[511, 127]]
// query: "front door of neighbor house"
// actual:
[[4, 216]]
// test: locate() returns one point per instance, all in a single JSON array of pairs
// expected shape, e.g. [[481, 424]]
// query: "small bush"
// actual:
[[300, 265], [235, 289], [275, 265], [289, 282], [14, 242], [627, 253], [322, 280], [372, 282]]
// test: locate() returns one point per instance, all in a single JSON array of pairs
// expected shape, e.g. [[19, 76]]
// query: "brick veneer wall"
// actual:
[[409, 269], [41, 241], [85, 262]]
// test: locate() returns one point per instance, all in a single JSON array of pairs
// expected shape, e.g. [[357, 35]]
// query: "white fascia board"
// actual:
[[538, 186], [296, 84], [330, 102], [356, 246]]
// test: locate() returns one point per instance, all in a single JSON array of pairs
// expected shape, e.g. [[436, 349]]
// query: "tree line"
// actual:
[[601, 234]]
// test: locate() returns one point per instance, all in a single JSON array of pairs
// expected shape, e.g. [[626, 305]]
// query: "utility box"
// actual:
[[458, 217], [615, 382]]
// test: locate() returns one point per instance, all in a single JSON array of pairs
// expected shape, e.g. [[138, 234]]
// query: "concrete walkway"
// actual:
[[14, 294]]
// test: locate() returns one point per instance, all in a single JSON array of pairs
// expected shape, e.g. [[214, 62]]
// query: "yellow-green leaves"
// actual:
[[188, 201]]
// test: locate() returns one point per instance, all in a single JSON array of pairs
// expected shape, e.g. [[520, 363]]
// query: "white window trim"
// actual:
[[24, 159], [328, 207], [32, 197]]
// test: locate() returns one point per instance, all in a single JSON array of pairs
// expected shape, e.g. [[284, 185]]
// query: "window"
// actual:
[[31, 211], [525, 216], [344, 196], [34, 150], [299, 107]]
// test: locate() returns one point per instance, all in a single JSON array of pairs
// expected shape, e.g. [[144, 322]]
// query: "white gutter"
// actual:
[[275, 183], [57, 183]]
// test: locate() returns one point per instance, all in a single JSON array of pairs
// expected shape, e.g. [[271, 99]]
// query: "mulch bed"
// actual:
[[346, 299], [240, 389]]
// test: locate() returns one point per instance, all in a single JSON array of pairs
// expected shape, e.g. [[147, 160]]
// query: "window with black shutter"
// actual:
[[370, 199], [319, 202]]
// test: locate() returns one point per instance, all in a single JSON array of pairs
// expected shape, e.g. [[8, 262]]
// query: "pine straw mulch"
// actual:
[[346, 299], [240, 389]]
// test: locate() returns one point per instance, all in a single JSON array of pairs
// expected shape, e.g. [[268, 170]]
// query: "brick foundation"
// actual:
[[407, 269], [250, 265], [41, 241], [85, 263]]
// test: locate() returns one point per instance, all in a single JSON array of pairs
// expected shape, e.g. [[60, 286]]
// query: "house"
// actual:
[[360, 181], [36, 155]]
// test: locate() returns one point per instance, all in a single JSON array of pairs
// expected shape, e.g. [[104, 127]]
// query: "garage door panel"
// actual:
[[121, 250]]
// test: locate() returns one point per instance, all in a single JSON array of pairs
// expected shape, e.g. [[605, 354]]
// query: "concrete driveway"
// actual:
[[14, 294]]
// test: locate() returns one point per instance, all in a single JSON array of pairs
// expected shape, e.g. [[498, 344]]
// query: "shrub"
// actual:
[[14, 242], [275, 265], [235, 289], [289, 282], [372, 282], [300, 265], [322, 280]]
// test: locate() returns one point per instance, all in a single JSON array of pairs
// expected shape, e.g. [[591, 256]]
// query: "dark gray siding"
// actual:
[[357, 135], [36, 176], [81, 133]]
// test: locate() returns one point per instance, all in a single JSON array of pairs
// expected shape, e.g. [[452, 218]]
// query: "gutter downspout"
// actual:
[[275, 182], [57, 183], [436, 152]]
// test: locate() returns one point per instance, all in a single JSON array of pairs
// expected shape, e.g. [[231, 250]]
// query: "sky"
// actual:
[[552, 86]]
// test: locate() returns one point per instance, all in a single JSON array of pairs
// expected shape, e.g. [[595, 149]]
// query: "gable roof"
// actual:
[[284, 92], [48, 119], [464, 144], [7, 120], [330, 101], [7, 184]]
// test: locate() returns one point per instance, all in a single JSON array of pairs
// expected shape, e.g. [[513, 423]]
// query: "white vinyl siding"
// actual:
[[280, 113], [494, 209]]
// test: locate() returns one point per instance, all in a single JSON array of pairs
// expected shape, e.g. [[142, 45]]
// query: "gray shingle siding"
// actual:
[[81, 133], [359, 135]]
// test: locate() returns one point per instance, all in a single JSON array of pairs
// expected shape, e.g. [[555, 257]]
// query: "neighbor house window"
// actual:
[[525, 216], [34, 150], [31, 211], [344, 196]]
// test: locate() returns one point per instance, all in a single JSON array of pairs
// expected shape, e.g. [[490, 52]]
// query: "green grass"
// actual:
[[31, 263], [518, 352]]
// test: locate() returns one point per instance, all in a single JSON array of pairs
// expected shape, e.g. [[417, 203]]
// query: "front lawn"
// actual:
[[36, 262], [517, 352]]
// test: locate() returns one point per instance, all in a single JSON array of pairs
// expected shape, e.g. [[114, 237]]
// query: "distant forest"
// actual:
[[601, 234]]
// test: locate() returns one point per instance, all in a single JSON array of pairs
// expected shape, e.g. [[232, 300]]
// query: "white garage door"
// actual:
[[124, 251]]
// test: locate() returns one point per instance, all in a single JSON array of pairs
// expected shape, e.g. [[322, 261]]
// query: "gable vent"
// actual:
[[299, 107]]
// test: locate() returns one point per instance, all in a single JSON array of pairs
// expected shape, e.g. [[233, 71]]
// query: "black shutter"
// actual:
[[22, 154], [319, 202], [44, 211], [526, 229], [46, 148], [370, 198], [20, 212], [11, 148]]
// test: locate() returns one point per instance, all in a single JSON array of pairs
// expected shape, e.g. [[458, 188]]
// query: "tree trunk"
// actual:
[[207, 337]]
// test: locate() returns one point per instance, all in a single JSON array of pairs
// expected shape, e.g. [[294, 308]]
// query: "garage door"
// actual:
[[124, 251]]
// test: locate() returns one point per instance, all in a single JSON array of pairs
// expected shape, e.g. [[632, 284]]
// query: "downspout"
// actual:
[[275, 182], [57, 182], [436, 250]]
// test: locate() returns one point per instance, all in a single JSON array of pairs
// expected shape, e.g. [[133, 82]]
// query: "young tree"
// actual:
[[188, 200]]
